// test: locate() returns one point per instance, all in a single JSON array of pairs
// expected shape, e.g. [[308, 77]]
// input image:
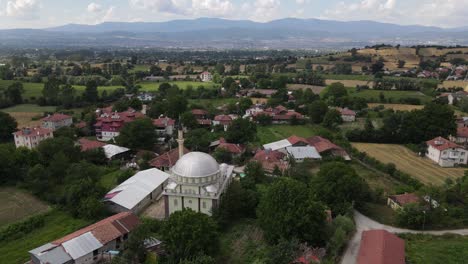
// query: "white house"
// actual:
[[446, 153], [347, 115], [206, 76], [31, 137], [88, 245], [137, 192], [57, 121]]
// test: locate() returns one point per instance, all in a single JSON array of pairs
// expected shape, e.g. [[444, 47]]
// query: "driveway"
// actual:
[[364, 223]]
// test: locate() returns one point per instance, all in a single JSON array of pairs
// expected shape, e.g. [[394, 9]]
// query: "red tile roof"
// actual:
[[441, 143], [81, 124], [163, 122], [199, 112], [381, 247], [167, 159], [346, 111], [322, 144], [295, 139], [56, 117], [204, 122], [87, 144], [107, 229], [270, 159], [462, 132], [406, 198], [231, 148], [33, 132]]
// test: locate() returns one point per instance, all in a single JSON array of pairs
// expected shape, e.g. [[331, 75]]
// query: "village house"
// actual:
[[253, 110], [280, 115], [270, 160], [112, 152], [86, 144], [223, 120], [446, 153], [145, 97], [299, 154], [164, 126], [91, 244], [235, 150], [325, 147], [399, 201], [109, 123], [455, 97], [206, 76], [258, 92], [137, 192], [347, 115], [56, 121], [31, 137], [381, 247], [461, 137], [167, 160], [197, 182]]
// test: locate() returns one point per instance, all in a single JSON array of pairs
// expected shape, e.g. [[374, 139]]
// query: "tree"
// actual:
[[219, 68], [139, 134], [188, 233], [188, 120], [317, 111], [49, 148], [91, 92], [241, 131], [377, 66], [222, 155], [285, 251], [14, 92], [176, 105], [7, 128], [51, 91], [412, 216], [332, 119], [198, 139], [67, 96], [339, 187], [334, 92], [401, 63], [286, 211], [254, 172]]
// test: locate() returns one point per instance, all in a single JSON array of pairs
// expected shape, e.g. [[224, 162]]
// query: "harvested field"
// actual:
[[17, 205], [315, 89], [351, 83], [405, 160], [397, 107], [451, 84]]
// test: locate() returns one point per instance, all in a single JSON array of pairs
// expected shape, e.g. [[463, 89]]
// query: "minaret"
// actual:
[[180, 141]]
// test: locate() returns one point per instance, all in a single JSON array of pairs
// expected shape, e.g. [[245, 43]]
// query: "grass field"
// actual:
[[212, 102], [267, 134], [17, 204], [397, 107], [426, 249], [393, 95], [405, 160], [57, 225], [25, 113], [154, 86]]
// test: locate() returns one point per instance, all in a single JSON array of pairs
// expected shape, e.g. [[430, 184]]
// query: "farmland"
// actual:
[[426, 249], [420, 168], [28, 114], [267, 134], [392, 95], [17, 205], [397, 107]]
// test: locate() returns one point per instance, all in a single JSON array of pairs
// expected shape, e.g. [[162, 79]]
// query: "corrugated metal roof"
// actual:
[[304, 152], [112, 150], [55, 255], [278, 145], [136, 188], [81, 245]]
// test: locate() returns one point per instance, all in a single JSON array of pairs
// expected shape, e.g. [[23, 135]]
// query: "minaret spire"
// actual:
[[180, 141]]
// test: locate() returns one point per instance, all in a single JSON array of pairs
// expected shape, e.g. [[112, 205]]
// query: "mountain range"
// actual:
[[288, 33]]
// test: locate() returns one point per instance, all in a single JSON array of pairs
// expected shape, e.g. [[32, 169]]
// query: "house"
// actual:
[[115, 152], [281, 145], [399, 201], [164, 126], [137, 192], [199, 113], [271, 159], [109, 123], [381, 247], [56, 121], [254, 110], [299, 154], [166, 160], [223, 120], [154, 78], [326, 147], [255, 92], [461, 136], [31, 137], [280, 115], [233, 149], [446, 153], [86, 144], [453, 98], [347, 115], [206, 76], [145, 97], [91, 244]]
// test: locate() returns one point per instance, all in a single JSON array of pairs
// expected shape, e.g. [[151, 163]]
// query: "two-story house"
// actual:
[[31, 137], [446, 153]]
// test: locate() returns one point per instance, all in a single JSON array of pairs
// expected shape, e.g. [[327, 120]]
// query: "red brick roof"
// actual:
[[381, 247], [441, 143], [406, 198], [270, 159], [163, 122], [322, 144], [56, 117], [462, 132], [231, 148], [107, 229], [295, 139], [87, 144], [167, 159], [33, 132]]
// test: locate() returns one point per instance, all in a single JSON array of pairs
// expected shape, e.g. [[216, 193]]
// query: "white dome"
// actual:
[[196, 164]]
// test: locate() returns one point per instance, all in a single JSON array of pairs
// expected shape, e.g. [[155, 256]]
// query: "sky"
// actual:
[[49, 13]]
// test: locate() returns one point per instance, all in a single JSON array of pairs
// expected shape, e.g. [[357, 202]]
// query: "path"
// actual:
[[365, 223]]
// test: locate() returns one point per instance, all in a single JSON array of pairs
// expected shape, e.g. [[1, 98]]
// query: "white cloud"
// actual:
[[24, 9], [165, 6], [94, 8], [262, 10], [213, 7]]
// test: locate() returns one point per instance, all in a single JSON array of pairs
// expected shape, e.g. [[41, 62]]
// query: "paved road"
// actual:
[[365, 223]]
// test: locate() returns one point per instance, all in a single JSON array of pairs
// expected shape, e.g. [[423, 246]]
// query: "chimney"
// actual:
[[180, 140]]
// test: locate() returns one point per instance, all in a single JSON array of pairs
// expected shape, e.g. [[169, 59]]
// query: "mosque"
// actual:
[[196, 181]]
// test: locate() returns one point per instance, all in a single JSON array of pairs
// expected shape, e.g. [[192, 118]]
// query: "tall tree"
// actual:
[[91, 94], [241, 131], [7, 128], [139, 134]]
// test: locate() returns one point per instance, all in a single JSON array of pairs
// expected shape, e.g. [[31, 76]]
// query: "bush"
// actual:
[[20, 229]]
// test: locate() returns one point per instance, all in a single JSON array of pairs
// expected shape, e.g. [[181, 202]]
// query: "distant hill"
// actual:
[[289, 33]]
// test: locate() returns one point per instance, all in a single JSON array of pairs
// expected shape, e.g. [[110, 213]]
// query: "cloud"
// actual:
[[213, 7], [23, 9], [94, 8], [165, 6], [262, 10]]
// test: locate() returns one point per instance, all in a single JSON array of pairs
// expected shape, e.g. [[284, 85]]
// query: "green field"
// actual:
[[394, 95], [17, 204], [57, 225], [268, 134], [30, 108], [353, 77], [206, 103], [154, 86], [426, 249]]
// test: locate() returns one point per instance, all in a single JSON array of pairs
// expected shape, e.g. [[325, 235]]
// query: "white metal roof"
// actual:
[[112, 150], [278, 145], [81, 245], [304, 152], [136, 188]]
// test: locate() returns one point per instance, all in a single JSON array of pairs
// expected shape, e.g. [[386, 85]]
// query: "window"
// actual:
[[125, 237], [95, 254]]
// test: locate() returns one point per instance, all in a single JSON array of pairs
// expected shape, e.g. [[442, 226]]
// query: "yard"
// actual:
[[17, 205], [57, 225], [405, 160], [426, 249], [267, 134]]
